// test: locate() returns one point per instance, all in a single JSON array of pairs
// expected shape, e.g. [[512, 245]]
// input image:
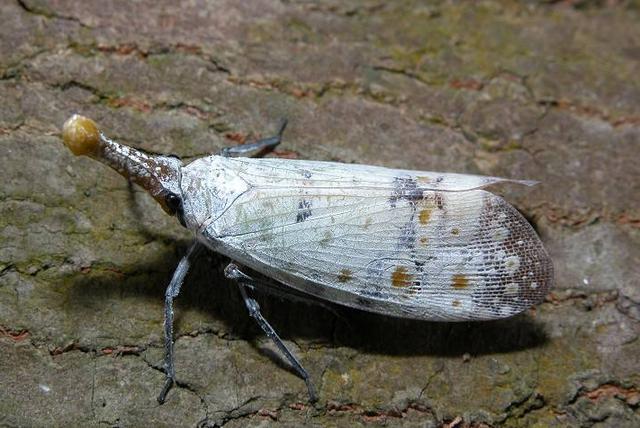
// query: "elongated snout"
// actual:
[[159, 175]]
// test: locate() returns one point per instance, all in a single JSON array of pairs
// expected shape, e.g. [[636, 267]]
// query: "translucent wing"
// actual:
[[405, 243], [278, 172]]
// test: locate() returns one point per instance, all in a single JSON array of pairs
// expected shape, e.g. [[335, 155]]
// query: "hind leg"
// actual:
[[254, 148], [244, 281]]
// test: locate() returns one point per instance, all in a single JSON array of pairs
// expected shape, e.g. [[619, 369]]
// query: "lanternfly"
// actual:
[[413, 244]]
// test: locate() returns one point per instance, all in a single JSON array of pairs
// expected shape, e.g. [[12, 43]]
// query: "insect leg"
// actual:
[[171, 293], [284, 292], [256, 147], [244, 281]]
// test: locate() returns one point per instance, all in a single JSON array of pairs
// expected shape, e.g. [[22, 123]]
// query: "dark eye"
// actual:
[[174, 203]]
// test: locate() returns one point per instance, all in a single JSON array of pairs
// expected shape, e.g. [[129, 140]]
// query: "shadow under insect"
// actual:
[[324, 324]]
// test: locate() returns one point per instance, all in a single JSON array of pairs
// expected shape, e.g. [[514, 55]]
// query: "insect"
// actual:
[[423, 245]]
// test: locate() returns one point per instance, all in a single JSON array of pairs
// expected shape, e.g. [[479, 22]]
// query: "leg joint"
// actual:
[[253, 307]]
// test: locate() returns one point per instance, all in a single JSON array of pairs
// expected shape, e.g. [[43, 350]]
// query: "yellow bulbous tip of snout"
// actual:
[[80, 134]]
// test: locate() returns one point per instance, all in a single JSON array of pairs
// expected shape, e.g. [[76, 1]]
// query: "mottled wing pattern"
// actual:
[[412, 244]]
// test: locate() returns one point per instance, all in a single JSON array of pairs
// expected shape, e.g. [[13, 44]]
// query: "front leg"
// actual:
[[171, 293], [243, 280]]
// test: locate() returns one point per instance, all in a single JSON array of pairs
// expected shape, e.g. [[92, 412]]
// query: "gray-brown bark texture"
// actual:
[[537, 90]]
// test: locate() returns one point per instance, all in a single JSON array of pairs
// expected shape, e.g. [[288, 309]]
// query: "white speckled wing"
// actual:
[[404, 243], [281, 172]]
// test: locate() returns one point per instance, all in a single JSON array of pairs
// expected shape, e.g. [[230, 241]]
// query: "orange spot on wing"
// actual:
[[401, 277], [455, 303], [460, 281], [455, 231], [425, 215], [424, 240], [345, 275]]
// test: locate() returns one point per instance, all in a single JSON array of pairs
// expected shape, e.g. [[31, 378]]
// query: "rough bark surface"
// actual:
[[538, 89]]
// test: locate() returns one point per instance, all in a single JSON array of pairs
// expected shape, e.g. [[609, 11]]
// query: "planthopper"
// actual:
[[412, 244]]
